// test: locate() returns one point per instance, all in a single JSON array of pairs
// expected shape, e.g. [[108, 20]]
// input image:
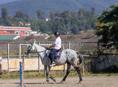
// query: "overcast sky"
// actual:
[[6, 1]]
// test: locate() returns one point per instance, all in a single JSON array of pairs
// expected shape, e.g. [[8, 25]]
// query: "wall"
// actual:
[[105, 63], [30, 64]]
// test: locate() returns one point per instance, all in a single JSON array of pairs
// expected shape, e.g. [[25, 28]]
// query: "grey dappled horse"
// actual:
[[68, 56]]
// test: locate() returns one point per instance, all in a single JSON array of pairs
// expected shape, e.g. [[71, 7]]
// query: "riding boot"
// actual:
[[52, 60]]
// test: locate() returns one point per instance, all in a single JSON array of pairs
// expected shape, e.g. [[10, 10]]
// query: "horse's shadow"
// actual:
[[48, 83], [39, 83]]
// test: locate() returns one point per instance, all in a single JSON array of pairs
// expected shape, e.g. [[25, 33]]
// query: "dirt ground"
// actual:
[[90, 81]]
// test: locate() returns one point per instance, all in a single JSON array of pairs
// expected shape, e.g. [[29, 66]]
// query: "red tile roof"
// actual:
[[4, 33], [14, 28]]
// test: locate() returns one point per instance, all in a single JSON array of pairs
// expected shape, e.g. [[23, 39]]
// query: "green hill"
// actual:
[[31, 6]]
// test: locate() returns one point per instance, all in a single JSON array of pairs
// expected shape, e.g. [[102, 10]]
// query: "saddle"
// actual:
[[58, 54]]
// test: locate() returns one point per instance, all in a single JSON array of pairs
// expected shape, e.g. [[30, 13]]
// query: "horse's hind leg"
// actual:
[[79, 73], [67, 72]]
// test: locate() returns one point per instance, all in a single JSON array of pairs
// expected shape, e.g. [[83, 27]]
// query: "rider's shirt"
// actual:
[[57, 43]]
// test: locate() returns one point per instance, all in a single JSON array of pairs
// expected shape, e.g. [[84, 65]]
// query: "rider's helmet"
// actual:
[[56, 33]]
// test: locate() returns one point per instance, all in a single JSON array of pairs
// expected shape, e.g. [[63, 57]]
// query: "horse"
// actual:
[[68, 56]]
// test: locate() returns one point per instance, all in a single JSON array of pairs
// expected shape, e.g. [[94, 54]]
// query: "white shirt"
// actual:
[[57, 43]]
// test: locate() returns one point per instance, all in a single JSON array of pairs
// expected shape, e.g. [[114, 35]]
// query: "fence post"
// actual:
[[83, 68], [19, 51], [0, 65], [38, 63], [21, 74], [21, 70], [69, 44], [64, 66], [8, 57]]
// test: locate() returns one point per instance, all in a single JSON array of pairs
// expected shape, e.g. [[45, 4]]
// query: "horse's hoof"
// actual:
[[61, 81], [47, 81], [55, 81], [80, 82]]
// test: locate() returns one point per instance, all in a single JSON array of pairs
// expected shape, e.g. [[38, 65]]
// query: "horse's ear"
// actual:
[[28, 45]]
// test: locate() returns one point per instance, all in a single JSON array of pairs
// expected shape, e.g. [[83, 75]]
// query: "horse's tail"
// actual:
[[80, 57]]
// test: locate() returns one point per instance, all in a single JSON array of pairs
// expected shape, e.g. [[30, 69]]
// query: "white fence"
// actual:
[[12, 53]]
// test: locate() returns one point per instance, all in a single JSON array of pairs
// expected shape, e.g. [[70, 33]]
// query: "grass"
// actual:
[[16, 75], [34, 74]]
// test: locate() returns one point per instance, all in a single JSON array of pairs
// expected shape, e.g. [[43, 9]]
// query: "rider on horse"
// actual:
[[55, 47]]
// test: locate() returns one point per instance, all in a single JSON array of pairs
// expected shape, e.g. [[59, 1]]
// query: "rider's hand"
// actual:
[[47, 47]]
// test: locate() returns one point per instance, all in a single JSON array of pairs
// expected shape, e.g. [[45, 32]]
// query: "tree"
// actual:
[[21, 16], [40, 14], [5, 19], [4, 13], [107, 27]]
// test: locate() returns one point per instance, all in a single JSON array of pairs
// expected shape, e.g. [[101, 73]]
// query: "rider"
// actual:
[[55, 47]]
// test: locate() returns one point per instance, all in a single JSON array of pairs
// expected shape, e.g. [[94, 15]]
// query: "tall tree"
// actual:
[[21, 16], [40, 14], [107, 27], [4, 13], [5, 19]]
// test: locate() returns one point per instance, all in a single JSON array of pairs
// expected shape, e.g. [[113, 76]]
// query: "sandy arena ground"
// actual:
[[90, 81]]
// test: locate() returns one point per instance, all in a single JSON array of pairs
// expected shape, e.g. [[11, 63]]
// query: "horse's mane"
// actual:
[[40, 47]]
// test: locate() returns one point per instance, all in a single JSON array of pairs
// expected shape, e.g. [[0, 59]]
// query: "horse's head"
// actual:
[[30, 48]]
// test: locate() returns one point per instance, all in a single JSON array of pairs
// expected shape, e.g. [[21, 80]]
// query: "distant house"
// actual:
[[14, 32]]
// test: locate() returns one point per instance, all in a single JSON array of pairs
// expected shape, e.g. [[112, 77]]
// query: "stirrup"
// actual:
[[53, 64]]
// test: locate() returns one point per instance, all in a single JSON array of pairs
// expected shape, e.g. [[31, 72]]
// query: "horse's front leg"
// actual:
[[67, 72], [46, 71]]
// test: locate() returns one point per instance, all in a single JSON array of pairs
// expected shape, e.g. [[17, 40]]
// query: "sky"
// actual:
[[6, 1]]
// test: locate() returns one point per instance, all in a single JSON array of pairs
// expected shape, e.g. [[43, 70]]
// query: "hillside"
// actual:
[[31, 6]]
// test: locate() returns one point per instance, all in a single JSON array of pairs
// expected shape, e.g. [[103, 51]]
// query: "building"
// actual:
[[13, 32], [10, 30]]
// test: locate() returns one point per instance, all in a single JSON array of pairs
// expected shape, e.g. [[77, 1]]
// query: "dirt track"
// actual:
[[99, 81]]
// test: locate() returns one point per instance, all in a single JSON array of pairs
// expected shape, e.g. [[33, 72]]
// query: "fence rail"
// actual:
[[12, 53]]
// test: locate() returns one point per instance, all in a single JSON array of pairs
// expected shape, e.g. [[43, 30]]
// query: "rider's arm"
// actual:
[[52, 45]]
